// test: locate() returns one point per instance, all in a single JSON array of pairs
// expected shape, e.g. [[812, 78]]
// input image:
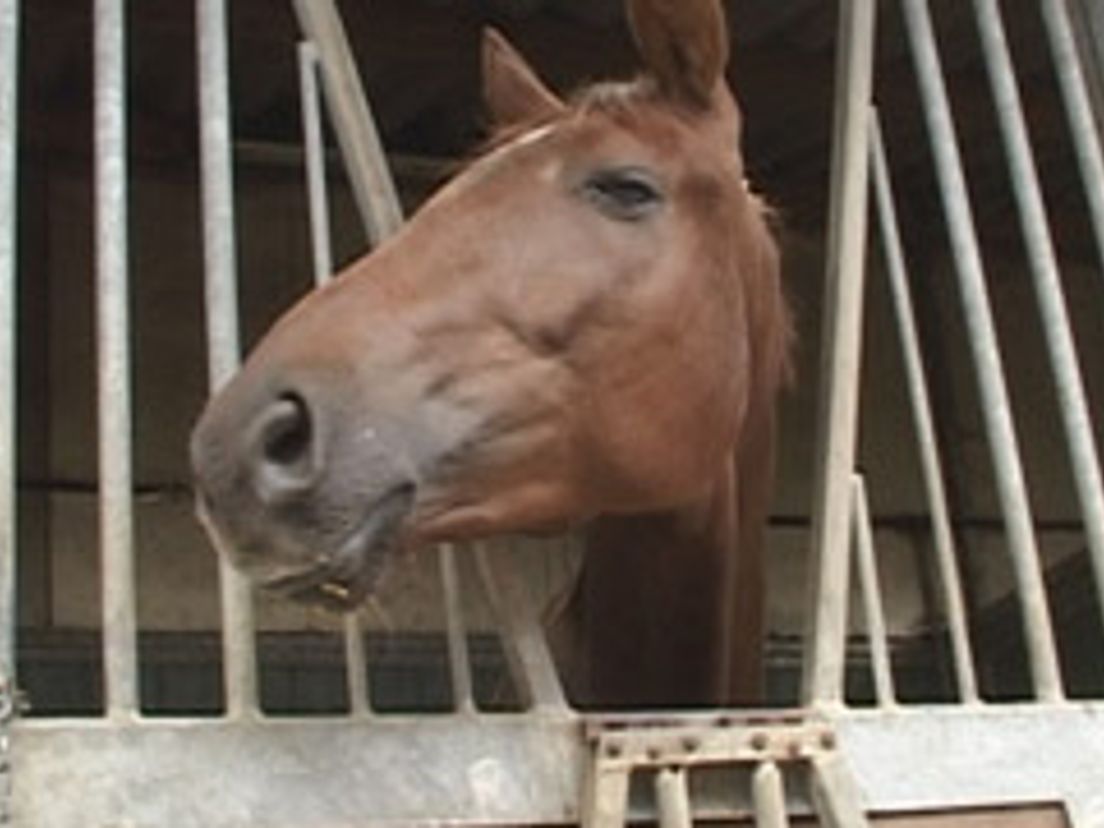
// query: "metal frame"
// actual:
[[550, 764]]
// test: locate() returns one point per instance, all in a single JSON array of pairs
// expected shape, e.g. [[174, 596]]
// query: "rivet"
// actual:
[[613, 750], [828, 741], [760, 741], [690, 744]]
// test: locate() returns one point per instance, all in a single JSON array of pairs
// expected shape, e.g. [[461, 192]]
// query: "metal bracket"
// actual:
[[672, 748]]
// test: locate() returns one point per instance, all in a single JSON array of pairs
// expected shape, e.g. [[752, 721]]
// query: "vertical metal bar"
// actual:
[[356, 667], [840, 364], [673, 798], [463, 698], [9, 133], [931, 465], [223, 342], [352, 119], [606, 797], [1073, 405], [835, 797], [120, 627], [316, 162], [1071, 81], [997, 413], [523, 639], [768, 795], [356, 661], [871, 590]]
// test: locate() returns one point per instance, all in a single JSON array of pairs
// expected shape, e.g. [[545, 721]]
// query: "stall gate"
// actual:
[[544, 763]]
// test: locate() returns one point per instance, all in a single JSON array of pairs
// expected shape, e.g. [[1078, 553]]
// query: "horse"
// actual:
[[586, 328]]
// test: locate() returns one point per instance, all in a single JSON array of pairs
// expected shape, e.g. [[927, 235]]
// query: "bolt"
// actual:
[[828, 741], [760, 741], [613, 750], [690, 744], [654, 753]]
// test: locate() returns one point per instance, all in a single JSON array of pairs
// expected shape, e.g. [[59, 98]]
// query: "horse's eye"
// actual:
[[625, 194]]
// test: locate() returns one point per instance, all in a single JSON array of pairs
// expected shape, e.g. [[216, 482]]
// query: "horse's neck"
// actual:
[[656, 616], [669, 607]]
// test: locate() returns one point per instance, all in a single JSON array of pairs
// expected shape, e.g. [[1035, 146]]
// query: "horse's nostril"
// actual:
[[286, 446], [286, 436]]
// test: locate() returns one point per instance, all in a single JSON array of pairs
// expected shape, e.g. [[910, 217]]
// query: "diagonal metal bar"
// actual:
[[524, 640], [356, 660], [1075, 96], [463, 698], [1073, 404], [352, 120], [927, 443], [871, 591], [835, 797]]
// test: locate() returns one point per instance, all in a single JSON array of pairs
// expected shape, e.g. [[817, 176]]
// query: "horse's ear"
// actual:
[[513, 92], [684, 45]]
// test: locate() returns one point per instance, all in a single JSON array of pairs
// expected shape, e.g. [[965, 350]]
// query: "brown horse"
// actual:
[[585, 327]]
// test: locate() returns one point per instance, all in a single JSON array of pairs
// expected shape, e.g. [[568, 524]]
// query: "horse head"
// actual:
[[577, 325]]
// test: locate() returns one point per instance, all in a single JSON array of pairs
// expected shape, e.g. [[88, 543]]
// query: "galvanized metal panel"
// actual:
[[333, 772]]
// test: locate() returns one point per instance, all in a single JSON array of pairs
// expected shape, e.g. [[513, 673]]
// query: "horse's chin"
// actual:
[[336, 577]]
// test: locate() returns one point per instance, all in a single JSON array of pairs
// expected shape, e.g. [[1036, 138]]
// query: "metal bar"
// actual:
[[1073, 405], [1083, 128], [930, 462], [605, 797], [352, 120], [996, 406], [223, 342], [673, 798], [840, 365], [768, 793], [316, 163], [356, 667], [463, 698], [871, 590], [523, 639], [356, 661], [120, 625], [9, 133], [835, 796]]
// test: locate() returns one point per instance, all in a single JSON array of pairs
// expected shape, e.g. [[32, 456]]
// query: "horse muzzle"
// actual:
[[299, 496]]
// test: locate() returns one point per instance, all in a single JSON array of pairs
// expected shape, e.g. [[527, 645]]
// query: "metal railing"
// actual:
[[843, 315], [548, 763]]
